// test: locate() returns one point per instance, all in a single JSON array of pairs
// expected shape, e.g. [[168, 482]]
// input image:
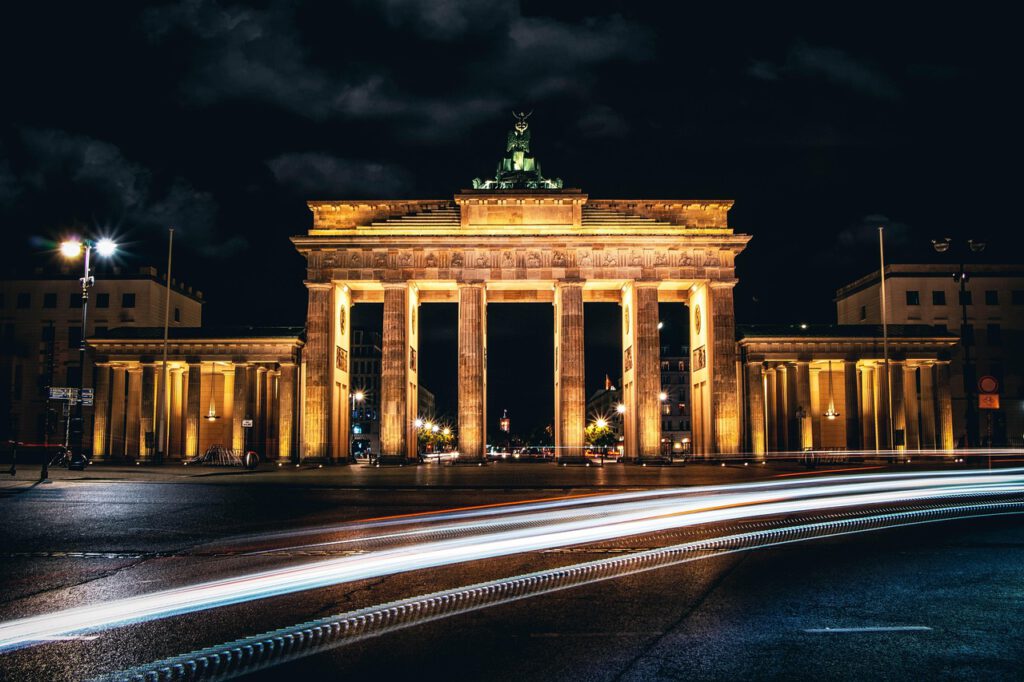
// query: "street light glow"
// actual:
[[601, 423], [106, 247], [418, 423], [620, 408], [358, 396], [72, 248], [663, 396]]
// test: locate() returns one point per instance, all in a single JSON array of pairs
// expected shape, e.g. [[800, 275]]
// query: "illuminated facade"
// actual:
[[231, 387], [520, 238], [824, 387]]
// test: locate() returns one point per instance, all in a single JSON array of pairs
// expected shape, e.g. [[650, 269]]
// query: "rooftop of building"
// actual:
[[200, 333], [73, 272], [911, 270], [842, 331]]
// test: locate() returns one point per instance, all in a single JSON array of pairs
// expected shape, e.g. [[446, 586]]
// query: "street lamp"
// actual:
[[961, 277], [71, 249], [663, 396], [621, 408], [357, 397]]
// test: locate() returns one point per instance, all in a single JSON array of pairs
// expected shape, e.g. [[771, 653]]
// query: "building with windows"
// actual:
[[992, 337], [675, 408], [41, 330]]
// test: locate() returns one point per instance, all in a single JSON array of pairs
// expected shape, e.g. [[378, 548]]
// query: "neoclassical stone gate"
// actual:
[[520, 238]]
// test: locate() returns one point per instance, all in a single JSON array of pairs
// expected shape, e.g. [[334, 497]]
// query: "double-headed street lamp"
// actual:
[[961, 276], [71, 249]]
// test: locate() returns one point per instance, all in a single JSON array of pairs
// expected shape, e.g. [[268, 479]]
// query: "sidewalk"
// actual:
[[438, 476]]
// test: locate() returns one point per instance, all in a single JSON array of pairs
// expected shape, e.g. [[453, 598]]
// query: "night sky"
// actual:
[[222, 119]]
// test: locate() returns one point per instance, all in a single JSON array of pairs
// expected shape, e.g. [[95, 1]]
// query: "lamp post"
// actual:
[[71, 249], [356, 397], [961, 276]]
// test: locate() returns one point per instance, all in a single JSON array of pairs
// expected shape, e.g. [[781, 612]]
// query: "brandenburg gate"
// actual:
[[520, 237]]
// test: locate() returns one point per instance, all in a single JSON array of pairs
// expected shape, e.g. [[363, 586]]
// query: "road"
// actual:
[[952, 591]]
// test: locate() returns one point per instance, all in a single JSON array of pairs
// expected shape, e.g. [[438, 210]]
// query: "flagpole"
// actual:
[[163, 433], [885, 337]]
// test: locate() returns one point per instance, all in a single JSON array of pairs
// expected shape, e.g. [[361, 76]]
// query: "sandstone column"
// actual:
[[945, 406], [117, 411], [133, 411], [397, 394], [148, 414], [643, 408], [772, 427], [285, 413], [852, 409], [316, 354], [899, 412], [724, 389], [803, 401], [342, 372], [783, 406], [815, 373], [927, 408], [570, 387], [910, 405], [178, 388], [101, 412], [238, 406], [867, 408], [472, 351], [756, 408], [882, 382], [193, 408]]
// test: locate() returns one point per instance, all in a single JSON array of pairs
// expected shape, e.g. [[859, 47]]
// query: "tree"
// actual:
[[600, 434]]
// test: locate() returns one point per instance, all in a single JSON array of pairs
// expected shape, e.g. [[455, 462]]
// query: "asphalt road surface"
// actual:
[[941, 601]]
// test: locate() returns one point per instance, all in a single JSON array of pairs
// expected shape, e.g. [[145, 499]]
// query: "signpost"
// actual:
[[988, 399]]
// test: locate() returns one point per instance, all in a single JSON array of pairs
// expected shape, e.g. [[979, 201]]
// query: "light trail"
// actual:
[[550, 528], [259, 652]]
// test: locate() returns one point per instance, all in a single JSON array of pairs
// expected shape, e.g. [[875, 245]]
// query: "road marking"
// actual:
[[825, 471], [66, 638], [546, 635], [877, 628]]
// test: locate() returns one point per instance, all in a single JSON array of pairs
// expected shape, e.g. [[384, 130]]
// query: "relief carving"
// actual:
[[431, 260], [636, 259], [585, 260], [686, 260], [533, 260], [558, 260], [482, 261], [354, 260], [508, 260], [406, 260], [661, 260], [457, 260], [380, 260], [609, 259]]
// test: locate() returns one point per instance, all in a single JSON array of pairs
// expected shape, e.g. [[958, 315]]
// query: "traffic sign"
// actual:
[[988, 401], [988, 384], [247, 423], [63, 393]]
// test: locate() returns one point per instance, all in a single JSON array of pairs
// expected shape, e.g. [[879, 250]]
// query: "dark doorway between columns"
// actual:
[[439, 361], [676, 409], [520, 370], [365, 367]]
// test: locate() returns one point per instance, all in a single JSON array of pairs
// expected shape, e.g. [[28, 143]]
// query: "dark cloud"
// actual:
[[75, 175], [318, 175], [603, 121], [831, 64], [245, 53]]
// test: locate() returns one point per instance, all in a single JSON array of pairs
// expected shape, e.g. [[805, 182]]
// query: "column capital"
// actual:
[[404, 284], [318, 285], [473, 284], [563, 283], [722, 283]]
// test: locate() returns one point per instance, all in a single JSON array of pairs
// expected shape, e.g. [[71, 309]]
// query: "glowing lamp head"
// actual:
[[620, 408], [663, 396], [418, 423], [435, 428], [661, 325], [446, 431], [72, 248], [358, 396], [601, 423], [106, 247]]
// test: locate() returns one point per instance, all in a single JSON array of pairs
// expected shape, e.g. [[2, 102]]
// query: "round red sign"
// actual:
[[988, 384]]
